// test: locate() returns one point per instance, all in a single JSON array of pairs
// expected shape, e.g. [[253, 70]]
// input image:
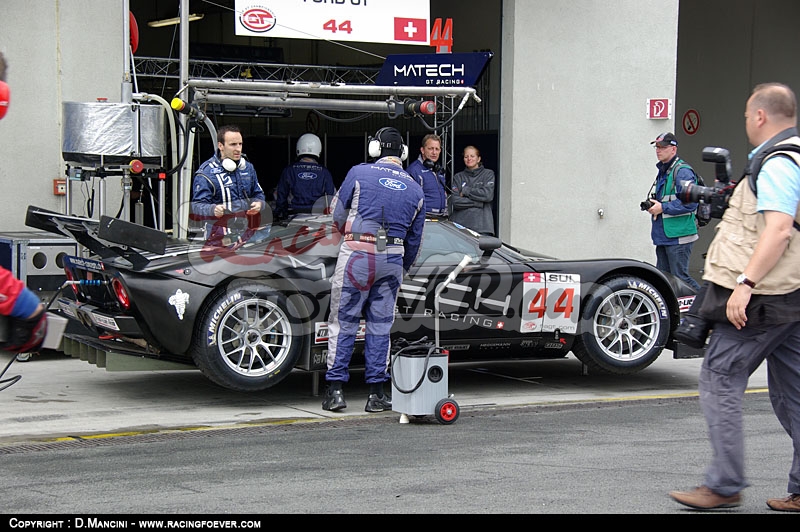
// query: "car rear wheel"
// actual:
[[248, 337], [624, 326]]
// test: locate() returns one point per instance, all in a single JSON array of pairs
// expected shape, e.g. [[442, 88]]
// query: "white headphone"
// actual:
[[376, 145], [230, 165]]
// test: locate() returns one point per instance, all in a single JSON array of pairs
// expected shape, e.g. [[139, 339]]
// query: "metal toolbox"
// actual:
[[36, 258]]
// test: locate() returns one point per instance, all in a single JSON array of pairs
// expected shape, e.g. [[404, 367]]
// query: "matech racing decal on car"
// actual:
[[224, 306], [84, 264], [550, 301]]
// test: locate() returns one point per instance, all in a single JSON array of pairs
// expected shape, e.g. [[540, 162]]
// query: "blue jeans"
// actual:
[[675, 260]]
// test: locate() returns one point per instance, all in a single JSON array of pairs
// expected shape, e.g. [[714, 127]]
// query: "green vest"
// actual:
[[682, 224]]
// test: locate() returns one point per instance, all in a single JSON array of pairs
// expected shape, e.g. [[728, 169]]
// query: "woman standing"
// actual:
[[473, 194]]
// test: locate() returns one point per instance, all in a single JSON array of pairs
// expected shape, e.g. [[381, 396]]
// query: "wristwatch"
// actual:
[[742, 279]]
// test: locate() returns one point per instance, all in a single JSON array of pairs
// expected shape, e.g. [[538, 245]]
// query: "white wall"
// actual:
[[65, 50], [574, 133]]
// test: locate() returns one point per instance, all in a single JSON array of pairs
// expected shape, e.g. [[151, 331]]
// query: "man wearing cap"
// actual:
[[380, 211], [674, 230]]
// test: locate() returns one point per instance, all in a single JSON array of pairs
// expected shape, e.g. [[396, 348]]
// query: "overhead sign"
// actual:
[[433, 70], [659, 108], [380, 21]]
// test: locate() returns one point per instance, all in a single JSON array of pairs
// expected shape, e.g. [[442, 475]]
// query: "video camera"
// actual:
[[718, 195]]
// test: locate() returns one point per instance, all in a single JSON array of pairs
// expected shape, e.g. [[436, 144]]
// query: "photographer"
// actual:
[[752, 303], [673, 230]]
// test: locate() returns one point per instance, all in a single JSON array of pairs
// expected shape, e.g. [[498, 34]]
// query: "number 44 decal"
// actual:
[[549, 302], [563, 304], [442, 37], [332, 26]]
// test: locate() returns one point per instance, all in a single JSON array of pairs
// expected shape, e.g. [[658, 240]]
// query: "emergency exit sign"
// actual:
[[659, 108]]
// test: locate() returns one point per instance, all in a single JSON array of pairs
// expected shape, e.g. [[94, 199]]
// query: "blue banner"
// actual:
[[433, 70]]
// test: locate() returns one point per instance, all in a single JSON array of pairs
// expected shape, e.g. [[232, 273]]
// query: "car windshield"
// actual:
[[445, 244]]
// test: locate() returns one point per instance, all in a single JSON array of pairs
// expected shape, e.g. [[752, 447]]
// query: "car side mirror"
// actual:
[[487, 244]]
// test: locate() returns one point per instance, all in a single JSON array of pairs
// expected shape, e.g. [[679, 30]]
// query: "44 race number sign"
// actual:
[[379, 21], [550, 301]]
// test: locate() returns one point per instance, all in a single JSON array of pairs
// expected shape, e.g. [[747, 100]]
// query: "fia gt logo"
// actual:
[[258, 19]]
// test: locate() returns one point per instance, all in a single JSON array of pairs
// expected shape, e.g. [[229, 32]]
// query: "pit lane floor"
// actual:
[[58, 397]]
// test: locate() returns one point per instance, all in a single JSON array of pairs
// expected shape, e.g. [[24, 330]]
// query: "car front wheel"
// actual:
[[624, 326], [248, 337]]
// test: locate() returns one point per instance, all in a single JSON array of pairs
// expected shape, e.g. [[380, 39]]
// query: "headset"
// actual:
[[230, 165], [432, 165], [377, 144]]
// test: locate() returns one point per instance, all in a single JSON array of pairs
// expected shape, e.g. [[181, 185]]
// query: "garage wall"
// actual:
[[55, 54], [725, 48], [574, 133]]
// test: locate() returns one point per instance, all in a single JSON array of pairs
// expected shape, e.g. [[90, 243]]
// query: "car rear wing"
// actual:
[[109, 238]]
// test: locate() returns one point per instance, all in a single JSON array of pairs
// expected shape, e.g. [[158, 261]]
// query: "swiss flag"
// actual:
[[534, 277], [410, 29]]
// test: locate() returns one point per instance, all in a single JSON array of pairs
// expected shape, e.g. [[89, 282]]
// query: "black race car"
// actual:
[[248, 310]]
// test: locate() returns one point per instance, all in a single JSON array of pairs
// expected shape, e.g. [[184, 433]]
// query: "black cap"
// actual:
[[665, 139], [391, 141]]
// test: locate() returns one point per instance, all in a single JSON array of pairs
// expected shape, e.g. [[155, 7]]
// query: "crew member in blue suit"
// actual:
[[304, 182], [225, 189], [380, 211], [428, 172]]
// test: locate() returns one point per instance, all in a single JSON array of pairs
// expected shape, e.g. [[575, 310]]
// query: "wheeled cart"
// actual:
[[419, 383], [419, 373]]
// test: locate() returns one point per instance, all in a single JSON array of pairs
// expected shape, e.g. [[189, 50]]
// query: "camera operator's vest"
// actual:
[[736, 238], [681, 224]]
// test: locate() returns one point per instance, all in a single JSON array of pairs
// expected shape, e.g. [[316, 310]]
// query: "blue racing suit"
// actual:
[[213, 185], [301, 184], [434, 184], [373, 196]]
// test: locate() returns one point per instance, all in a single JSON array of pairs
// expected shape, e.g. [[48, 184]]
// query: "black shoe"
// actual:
[[334, 400], [378, 403]]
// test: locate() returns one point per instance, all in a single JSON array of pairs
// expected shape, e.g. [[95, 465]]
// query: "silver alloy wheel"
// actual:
[[626, 325], [254, 338]]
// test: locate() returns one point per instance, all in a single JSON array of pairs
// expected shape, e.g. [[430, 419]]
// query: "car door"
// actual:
[[479, 310]]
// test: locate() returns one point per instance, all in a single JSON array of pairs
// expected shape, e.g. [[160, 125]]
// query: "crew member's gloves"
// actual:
[[25, 335]]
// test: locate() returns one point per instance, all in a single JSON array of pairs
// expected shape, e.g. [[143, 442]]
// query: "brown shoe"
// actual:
[[703, 498], [787, 504]]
